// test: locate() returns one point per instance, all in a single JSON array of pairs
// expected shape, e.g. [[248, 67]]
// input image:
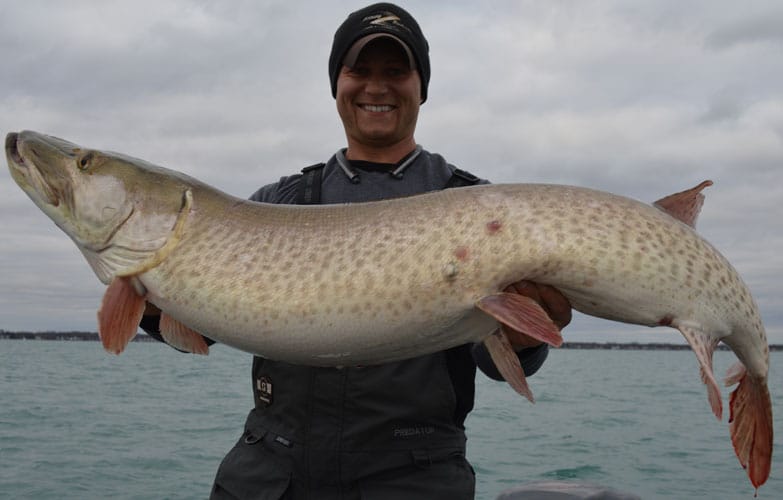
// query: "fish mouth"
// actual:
[[12, 149], [26, 174]]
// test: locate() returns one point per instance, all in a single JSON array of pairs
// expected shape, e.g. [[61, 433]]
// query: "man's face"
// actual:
[[378, 98]]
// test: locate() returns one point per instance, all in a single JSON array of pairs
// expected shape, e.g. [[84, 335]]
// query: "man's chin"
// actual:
[[379, 137]]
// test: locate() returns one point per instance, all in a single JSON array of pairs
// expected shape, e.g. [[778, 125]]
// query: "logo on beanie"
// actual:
[[382, 20], [385, 19]]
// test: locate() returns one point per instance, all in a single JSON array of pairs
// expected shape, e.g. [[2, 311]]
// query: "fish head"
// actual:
[[69, 184], [118, 210]]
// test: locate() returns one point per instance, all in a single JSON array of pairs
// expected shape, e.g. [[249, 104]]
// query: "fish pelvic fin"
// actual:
[[750, 423], [685, 205], [118, 318], [182, 337], [703, 346], [507, 363], [522, 314]]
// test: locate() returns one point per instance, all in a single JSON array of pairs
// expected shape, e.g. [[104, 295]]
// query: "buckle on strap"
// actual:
[[253, 437]]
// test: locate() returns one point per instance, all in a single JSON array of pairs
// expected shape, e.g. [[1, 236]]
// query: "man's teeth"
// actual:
[[377, 109]]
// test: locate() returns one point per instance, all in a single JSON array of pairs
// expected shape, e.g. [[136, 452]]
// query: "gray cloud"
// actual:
[[764, 26], [640, 98]]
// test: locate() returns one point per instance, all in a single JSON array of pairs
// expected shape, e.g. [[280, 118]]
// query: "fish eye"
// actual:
[[84, 161]]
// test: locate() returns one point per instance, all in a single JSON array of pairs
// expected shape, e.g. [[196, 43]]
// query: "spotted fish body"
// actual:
[[376, 282]]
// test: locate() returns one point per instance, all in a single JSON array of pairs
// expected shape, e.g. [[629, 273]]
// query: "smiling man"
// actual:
[[378, 98], [388, 431]]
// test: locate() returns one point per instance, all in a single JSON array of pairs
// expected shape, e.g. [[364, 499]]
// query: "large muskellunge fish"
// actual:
[[367, 283]]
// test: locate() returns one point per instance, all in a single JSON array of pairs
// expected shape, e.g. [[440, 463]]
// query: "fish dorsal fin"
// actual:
[[685, 205]]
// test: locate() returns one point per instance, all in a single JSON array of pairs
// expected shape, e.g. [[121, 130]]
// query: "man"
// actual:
[[389, 431]]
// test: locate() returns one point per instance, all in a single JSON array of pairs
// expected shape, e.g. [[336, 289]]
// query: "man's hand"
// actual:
[[550, 299]]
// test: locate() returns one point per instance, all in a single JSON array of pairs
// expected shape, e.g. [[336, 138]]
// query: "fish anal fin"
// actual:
[[182, 337], [750, 425], [119, 315], [685, 205], [704, 346], [507, 363], [523, 314]]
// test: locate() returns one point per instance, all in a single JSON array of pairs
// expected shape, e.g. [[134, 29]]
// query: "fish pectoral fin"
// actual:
[[522, 314], [685, 205], [703, 346], [118, 318], [182, 337], [750, 424], [507, 363]]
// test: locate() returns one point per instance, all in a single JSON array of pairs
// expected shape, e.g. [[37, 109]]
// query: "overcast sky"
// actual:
[[640, 98]]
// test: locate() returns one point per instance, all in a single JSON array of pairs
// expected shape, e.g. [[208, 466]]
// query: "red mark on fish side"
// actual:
[[461, 253], [494, 226], [666, 320]]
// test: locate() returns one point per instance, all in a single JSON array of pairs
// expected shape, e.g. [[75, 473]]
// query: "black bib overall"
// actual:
[[392, 431]]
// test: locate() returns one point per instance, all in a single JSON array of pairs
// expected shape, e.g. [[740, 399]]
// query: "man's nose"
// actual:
[[376, 84]]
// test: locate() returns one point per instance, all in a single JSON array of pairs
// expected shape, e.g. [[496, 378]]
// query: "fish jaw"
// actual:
[[41, 170]]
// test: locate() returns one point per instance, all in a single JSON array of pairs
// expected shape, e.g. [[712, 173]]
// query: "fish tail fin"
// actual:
[[507, 363], [181, 337], [118, 318], [750, 423], [704, 346]]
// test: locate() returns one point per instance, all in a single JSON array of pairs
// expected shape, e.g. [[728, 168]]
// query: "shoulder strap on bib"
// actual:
[[309, 189], [461, 178]]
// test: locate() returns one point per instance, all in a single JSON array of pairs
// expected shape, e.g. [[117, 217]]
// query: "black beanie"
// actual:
[[384, 18]]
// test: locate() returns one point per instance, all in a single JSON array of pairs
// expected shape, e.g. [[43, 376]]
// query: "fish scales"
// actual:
[[377, 282], [349, 279]]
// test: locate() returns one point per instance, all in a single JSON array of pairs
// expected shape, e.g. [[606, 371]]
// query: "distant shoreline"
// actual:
[[623, 346]]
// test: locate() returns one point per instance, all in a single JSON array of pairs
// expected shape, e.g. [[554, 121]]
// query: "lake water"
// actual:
[[77, 423]]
